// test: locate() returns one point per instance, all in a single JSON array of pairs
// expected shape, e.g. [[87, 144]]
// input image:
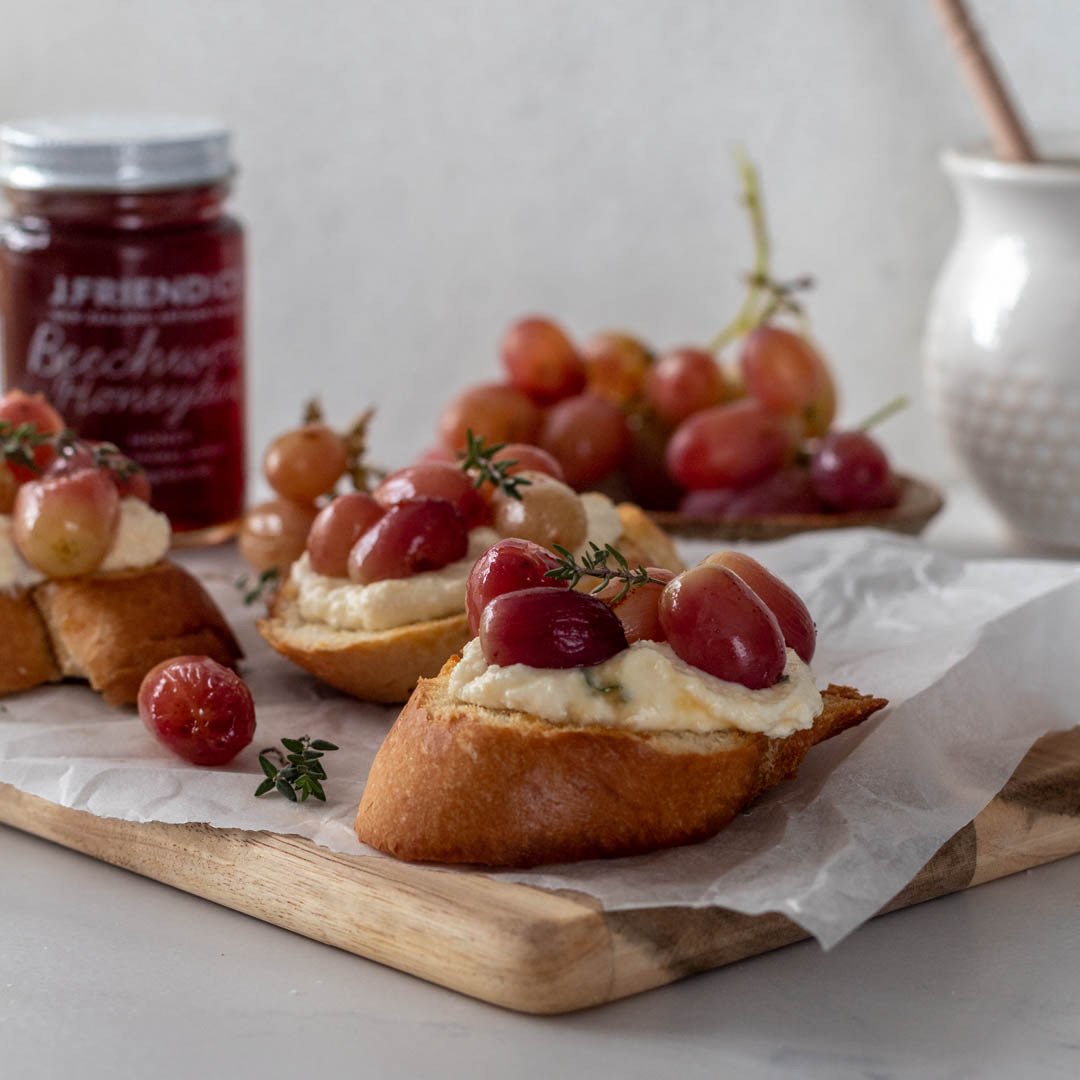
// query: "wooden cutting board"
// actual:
[[518, 946]]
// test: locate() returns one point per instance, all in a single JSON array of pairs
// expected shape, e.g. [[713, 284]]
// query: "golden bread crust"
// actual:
[[113, 628], [455, 783], [385, 665], [375, 666], [27, 657]]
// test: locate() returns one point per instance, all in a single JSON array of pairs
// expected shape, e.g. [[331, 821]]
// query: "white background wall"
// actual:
[[416, 173]]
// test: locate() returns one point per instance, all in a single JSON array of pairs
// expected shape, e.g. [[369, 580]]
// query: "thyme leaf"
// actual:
[[479, 460], [594, 563], [304, 774]]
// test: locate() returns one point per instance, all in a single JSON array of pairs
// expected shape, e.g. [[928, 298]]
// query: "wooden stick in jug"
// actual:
[[1010, 139]]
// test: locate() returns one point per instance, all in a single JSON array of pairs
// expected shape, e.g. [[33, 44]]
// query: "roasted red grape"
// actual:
[[335, 530], [129, 478], [708, 502], [730, 446], [305, 463], [541, 361], [17, 409], [683, 382], [411, 537], [64, 524], [528, 457], [615, 366], [714, 621], [547, 513], [639, 609], [549, 628], [791, 613], [588, 436], [492, 412], [789, 490], [198, 709], [851, 472], [440, 481], [649, 481], [507, 566], [274, 533], [787, 374]]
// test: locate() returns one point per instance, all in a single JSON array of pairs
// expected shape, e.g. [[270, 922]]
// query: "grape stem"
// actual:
[[886, 412], [765, 295], [594, 563]]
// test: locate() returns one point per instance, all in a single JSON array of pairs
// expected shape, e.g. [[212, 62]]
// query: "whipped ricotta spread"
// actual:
[[643, 688], [143, 536], [384, 605]]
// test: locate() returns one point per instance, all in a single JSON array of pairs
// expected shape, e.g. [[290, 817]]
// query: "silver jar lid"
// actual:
[[113, 152]]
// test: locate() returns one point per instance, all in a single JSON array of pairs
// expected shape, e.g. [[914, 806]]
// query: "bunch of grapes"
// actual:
[[683, 430], [63, 493]]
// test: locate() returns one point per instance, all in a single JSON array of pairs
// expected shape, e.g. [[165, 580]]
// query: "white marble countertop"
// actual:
[[107, 975]]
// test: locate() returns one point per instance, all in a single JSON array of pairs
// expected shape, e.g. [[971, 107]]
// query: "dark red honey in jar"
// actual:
[[122, 295]]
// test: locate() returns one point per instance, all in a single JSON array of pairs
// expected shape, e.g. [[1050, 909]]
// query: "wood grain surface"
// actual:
[[522, 947]]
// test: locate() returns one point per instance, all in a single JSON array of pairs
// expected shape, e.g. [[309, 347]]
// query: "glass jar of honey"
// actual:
[[122, 297]]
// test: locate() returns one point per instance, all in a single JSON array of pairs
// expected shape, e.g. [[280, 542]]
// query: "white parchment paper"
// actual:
[[978, 659]]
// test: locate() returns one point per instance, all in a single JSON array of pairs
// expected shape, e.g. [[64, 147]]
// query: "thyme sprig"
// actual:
[[304, 773], [478, 459], [265, 583], [18, 443], [594, 563]]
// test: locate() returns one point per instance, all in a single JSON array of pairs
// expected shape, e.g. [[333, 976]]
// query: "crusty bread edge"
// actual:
[[454, 783]]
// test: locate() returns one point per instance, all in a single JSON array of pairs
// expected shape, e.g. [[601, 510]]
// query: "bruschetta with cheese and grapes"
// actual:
[[578, 726], [85, 589], [377, 600]]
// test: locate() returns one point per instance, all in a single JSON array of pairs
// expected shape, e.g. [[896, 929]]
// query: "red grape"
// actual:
[[507, 566], [440, 481], [588, 436], [437, 453], [683, 382], [639, 609], [615, 366], [64, 524], [547, 513], [129, 478], [274, 533], [335, 530], [791, 613], [714, 621], [411, 537], [198, 709], [787, 374], [789, 490], [549, 628], [851, 472], [708, 502], [646, 472], [491, 411], [541, 361], [529, 457], [729, 446], [17, 409], [305, 463]]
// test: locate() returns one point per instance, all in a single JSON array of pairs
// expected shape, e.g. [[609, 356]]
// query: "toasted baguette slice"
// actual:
[[385, 665], [110, 629], [26, 657], [455, 783]]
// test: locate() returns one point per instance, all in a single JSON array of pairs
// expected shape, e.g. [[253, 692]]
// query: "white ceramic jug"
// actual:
[[1002, 346]]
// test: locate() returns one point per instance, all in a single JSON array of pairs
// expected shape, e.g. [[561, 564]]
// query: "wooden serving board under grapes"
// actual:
[[515, 945]]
